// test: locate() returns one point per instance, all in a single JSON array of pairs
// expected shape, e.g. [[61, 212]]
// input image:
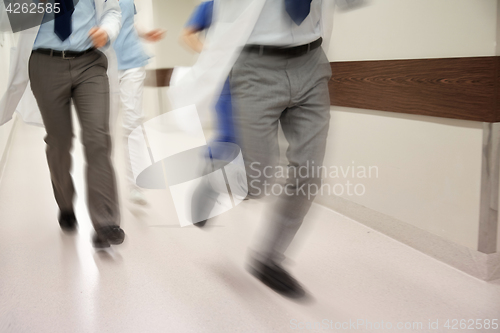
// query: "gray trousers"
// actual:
[[55, 82], [293, 92]]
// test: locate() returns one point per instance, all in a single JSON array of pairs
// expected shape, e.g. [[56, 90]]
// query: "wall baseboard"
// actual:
[[480, 265]]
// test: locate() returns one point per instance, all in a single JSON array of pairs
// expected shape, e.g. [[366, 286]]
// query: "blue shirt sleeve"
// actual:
[[201, 18]]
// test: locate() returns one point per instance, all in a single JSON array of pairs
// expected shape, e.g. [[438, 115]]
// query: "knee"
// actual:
[[97, 143], [60, 144], [305, 175]]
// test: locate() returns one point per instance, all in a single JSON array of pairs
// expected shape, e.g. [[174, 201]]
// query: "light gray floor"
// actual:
[[170, 279]]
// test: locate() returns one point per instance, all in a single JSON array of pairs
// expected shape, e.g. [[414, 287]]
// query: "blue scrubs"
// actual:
[[128, 47], [200, 20]]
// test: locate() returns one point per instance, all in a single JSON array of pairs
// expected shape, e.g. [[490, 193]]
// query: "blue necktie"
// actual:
[[298, 9], [62, 21]]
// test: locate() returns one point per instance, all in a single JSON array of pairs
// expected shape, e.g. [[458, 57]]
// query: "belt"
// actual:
[[294, 51], [63, 54]]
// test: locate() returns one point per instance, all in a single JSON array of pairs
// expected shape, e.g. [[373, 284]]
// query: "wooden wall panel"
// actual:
[[158, 78], [497, 89], [460, 88]]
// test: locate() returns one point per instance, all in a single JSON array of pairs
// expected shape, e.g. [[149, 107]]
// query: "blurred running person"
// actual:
[[132, 61]]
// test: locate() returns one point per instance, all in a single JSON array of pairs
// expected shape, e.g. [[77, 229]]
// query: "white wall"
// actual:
[[408, 29], [6, 41], [429, 168], [172, 15]]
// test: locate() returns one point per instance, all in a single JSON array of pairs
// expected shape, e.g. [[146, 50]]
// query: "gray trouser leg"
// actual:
[[293, 92], [51, 85], [55, 82]]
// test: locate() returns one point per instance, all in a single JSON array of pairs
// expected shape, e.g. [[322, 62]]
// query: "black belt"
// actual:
[[63, 54], [294, 51]]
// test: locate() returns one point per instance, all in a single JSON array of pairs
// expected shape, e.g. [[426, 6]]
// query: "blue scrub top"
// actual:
[[128, 47], [202, 16], [200, 20]]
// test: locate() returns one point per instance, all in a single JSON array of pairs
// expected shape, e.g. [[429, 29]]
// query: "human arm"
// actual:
[[190, 37], [109, 24], [200, 20]]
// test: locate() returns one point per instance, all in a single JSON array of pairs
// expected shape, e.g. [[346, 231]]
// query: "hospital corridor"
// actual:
[[241, 167]]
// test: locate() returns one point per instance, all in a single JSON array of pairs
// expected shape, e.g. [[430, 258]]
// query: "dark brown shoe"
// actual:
[[67, 221], [106, 236], [277, 278], [201, 224]]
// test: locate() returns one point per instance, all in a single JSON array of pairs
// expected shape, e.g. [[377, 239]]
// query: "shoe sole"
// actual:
[[200, 224], [69, 229], [276, 285], [101, 246], [116, 242]]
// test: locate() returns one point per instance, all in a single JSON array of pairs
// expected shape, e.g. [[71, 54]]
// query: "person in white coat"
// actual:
[[273, 50], [62, 62]]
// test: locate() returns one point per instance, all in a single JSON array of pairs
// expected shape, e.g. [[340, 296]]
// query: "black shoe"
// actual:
[[99, 242], [201, 224], [106, 236], [67, 221], [276, 278]]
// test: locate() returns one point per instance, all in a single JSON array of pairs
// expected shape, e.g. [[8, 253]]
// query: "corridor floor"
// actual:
[[165, 278]]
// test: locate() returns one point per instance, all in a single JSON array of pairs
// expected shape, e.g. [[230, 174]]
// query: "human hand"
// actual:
[[99, 37], [154, 35]]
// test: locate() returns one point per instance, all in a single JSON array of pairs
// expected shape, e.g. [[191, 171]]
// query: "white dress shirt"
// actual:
[[275, 27], [82, 20]]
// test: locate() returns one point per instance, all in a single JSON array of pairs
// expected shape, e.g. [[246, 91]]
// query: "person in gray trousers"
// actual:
[[66, 66], [281, 77]]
